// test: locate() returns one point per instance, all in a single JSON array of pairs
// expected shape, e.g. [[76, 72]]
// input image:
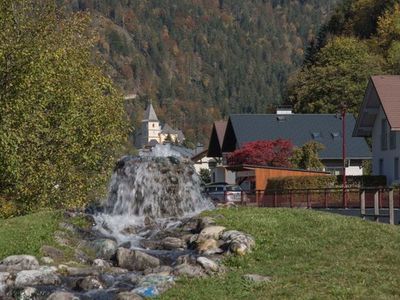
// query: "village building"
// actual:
[[299, 129], [152, 132], [379, 118]]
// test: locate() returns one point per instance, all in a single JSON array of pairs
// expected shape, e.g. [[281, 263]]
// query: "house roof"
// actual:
[[299, 129], [217, 138], [382, 90], [150, 114]]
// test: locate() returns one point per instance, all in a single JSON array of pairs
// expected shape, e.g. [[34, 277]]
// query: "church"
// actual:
[[152, 132]]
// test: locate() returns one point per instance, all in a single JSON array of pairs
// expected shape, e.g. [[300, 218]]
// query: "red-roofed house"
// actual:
[[379, 118]]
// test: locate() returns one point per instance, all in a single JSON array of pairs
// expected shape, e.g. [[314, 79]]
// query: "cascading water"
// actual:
[[158, 185]]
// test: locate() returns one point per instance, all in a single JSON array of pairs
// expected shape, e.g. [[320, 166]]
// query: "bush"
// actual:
[[363, 181], [8, 208], [301, 182]]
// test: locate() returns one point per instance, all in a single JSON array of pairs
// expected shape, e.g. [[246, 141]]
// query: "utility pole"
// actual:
[[344, 154]]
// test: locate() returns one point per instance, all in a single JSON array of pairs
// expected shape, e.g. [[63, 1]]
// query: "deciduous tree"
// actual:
[[61, 119], [270, 153]]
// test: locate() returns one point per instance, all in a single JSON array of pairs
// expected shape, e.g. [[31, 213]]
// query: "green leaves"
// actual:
[[62, 121]]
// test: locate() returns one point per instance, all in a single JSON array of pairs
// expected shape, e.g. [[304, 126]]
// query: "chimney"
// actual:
[[284, 110]]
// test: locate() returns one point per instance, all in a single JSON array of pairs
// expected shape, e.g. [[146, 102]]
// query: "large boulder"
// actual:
[[42, 276], [5, 281], [189, 271], [104, 248], [136, 260], [238, 242], [62, 296], [172, 243], [207, 264], [211, 232], [128, 296], [17, 263]]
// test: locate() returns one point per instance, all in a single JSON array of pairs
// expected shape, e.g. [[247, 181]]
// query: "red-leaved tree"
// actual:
[[271, 153]]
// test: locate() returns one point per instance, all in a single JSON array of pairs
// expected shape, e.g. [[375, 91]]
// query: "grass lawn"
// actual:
[[25, 235], [309, 254]]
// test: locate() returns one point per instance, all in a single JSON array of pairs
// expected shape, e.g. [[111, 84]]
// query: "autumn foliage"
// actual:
[[270, 153]]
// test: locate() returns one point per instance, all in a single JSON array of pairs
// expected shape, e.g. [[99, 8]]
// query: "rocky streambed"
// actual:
[[88, 263]]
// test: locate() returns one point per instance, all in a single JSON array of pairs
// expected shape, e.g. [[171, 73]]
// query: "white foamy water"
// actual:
[[158, 185]]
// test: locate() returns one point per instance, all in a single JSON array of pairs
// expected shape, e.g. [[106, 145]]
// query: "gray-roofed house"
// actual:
[[379, 118], [299, 129]]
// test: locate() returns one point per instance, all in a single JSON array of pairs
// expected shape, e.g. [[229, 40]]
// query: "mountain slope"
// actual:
[[199, 60]]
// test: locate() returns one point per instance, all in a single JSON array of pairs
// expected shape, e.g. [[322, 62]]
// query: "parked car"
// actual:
[[223, 192]]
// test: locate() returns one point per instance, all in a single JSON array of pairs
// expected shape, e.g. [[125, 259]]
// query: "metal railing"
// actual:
[[356, 198]]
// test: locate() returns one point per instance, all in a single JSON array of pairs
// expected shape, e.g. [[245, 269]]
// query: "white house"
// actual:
[[379, 118]]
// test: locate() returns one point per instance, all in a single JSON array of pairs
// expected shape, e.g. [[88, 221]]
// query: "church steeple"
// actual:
[[150, 114]]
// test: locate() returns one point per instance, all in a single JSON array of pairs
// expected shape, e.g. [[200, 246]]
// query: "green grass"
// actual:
[[309, 254], [26, 234]]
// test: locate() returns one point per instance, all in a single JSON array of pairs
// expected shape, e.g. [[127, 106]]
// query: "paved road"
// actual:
[[356, 213]]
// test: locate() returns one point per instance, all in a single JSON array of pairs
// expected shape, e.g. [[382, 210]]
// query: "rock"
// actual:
[[160, 281], [128, 296], [5, 281], [212, 232], [172, 243], [17, 263], [136, 260], [73, 271], [239, 242], [186, 259], [204, 222], [47, 260], [147, 292], [89, 283], [190, 225], [62, 296], [188, 270], [42, 276], [105, 248], [161, 270], [209, 246], [52, 252], [129, 230], [150, 244], [126, 245], [207, 264], [82, 257], [117, 270], [148, 221], [28, 293], [257, 278], [101, 263]]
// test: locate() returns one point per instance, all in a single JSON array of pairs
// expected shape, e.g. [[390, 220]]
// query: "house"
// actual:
[[219, 173], [379, 118], [299, 129], [152, 132]]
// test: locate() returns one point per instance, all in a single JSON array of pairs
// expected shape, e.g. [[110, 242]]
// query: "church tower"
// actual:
[[150, 126]]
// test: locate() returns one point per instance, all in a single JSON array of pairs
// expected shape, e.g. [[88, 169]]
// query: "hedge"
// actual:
[[363, 180], [301, 182]]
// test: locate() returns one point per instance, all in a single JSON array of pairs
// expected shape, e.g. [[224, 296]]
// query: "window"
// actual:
[[392, 140], [316, 135], [383, 134], [381, 166], [396, 168]]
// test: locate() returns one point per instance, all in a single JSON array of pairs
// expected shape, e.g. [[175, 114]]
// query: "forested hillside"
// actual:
[[199, 60], [361, 39]]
